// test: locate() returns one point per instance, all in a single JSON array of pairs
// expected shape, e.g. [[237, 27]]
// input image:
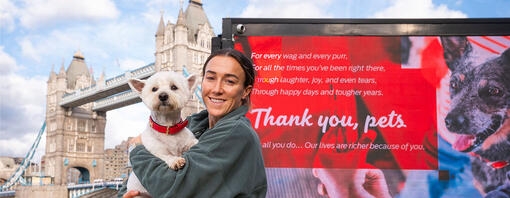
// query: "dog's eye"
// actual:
[[454, 86], [494, 91], [173, 87], [154, 89], [490, 91]]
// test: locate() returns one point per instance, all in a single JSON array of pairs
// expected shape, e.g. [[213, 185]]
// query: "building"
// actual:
[[9, 165], [116, 161], [7, 168], [75, 136], [185, 44]]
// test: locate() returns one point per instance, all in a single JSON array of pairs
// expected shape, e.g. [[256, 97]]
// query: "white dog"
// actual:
[[166, 135]]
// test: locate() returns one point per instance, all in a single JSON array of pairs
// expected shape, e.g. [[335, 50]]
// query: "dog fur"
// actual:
[[479, 112], [165, 93]]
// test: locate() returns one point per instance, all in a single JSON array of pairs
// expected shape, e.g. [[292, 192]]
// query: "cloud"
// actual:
[[22, 107], [40, 13], [128, 39], [287, 8], [418, 9], [131, 64], [7, 63], [22, 104], [28, 50], [19, 146], [7, 15], [101, 45], [125, 122]]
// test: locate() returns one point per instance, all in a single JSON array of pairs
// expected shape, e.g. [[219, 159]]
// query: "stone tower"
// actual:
[[75, 136], [185, 44]]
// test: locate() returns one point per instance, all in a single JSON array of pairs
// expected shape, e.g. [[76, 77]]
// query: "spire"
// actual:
[[76, 69], [195, 17], [53, 75], [161, 26], [78, 55], [180, 18], [199, 2], [101, 80], [91, 70], [62, 72]]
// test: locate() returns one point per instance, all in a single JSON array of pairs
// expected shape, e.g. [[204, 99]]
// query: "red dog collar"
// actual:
[[497, 164], [168, 129], [494, 164]]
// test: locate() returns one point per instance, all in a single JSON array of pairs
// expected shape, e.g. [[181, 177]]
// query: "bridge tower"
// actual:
[[75, 136], [185, 45]]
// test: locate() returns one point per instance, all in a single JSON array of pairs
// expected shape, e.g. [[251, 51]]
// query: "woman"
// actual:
[[227, 161]]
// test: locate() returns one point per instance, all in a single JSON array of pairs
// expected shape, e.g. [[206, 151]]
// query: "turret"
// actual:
[[78, 75], [160, 33]]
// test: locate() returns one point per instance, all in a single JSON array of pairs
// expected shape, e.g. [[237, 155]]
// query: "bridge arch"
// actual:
[[78, 175]]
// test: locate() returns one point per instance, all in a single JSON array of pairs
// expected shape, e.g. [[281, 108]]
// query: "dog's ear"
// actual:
[[455, 50], [136, 85], [192, 82], [506, 57]]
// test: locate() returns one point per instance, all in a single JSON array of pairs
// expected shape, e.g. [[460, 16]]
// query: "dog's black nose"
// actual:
[[163, 97], [455, 122]]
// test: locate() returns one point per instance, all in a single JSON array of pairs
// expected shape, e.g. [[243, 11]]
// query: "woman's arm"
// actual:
[[223, 164]]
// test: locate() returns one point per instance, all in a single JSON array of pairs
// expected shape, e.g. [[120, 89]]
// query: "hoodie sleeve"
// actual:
[[226, 162]]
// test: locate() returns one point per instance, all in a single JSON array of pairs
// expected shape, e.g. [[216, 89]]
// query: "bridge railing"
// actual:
[[77, 190], [10, 193], [112, 99], [118, 98], [116, 81]]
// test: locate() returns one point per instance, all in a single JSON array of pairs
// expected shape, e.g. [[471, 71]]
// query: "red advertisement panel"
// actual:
[[342, 102]]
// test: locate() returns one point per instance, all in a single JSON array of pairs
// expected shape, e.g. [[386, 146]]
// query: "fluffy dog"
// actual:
[[479, 113], [165, 93]]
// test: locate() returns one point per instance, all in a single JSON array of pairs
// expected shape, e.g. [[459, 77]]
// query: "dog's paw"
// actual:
[[178, 163]]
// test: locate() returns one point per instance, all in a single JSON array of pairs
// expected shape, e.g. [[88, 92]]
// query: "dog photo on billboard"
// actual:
[[479, 112]]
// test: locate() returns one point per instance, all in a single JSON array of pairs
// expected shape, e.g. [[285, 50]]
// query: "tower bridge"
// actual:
[[76, 106], [110, 94]]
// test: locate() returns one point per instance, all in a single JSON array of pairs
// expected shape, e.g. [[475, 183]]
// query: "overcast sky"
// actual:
[[38, 36]]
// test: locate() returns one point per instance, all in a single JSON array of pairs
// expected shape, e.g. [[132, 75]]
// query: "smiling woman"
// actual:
[[225, 86], [227, 161]]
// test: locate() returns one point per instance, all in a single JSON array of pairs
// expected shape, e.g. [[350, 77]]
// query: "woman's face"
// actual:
[[223, 86]]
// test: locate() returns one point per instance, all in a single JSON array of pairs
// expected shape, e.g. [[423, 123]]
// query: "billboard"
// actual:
[[347, 95]]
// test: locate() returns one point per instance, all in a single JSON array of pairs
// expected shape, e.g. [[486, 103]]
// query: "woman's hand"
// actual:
[[344, 172], [131, 194], [358, 183]]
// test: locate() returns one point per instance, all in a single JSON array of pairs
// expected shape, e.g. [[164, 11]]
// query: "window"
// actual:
[[70, 146], [80, 147], [81, 125]]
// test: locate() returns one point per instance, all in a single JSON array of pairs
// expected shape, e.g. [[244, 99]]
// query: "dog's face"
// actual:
[[480, 98], [165, 91]]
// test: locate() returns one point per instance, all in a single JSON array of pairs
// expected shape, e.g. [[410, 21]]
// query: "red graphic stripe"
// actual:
[[495, 41], [483, 46]]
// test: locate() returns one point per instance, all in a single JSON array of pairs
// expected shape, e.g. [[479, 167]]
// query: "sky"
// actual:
[[115, 36]]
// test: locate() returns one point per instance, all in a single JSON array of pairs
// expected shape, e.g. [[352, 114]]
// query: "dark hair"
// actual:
[[243, 60]]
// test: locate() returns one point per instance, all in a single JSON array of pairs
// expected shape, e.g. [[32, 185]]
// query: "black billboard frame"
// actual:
[[233, 27]]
